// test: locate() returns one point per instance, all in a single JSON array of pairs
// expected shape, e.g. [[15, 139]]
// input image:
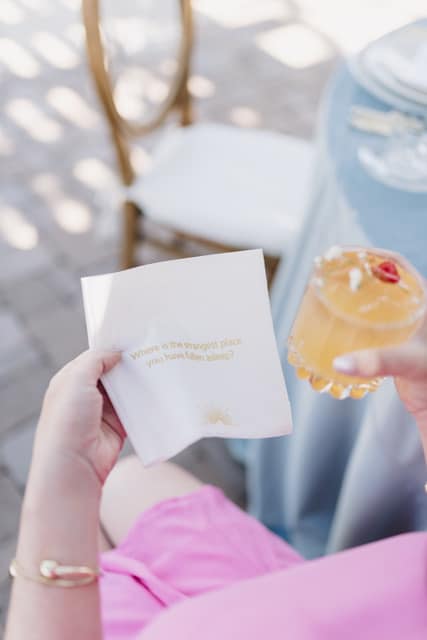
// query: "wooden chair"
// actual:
[[217, 187]]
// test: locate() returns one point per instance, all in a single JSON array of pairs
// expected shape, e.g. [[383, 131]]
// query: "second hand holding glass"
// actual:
[[356, 299]]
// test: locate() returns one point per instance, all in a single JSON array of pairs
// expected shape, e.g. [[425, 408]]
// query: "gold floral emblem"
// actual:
[[218, 416]]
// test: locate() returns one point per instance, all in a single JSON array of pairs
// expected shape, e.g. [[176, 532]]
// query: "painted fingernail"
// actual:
[[345, 364]]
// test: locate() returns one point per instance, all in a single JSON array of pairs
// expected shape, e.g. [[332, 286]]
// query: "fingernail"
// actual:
[[345, 364]]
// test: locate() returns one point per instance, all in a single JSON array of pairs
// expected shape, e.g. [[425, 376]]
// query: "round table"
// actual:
[[353, 470]]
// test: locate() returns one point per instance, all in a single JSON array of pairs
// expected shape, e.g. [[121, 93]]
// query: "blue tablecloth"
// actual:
[[353, 471], [391, 218]]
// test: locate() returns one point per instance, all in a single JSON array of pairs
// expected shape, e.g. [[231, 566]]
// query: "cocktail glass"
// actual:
[[356, 298]]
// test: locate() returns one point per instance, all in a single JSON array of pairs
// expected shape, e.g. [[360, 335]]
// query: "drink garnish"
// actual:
[[333, 253], [386, 272], [318, 282], [355, 276]]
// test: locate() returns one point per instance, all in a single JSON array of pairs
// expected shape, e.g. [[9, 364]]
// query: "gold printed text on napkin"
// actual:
[[212, 351]]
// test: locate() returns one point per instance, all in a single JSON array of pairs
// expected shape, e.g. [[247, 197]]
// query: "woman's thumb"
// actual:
[[406, 361]]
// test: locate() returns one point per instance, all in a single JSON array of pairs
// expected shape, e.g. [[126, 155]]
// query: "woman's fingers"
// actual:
[[96, 363], [406, 361], [90, 365], [109, 414]]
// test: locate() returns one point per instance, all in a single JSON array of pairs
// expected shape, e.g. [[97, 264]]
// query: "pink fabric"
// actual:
[[230, 578], [181, 548], [375, 592]]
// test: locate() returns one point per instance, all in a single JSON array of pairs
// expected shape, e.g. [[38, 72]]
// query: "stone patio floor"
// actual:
[[257, 64]]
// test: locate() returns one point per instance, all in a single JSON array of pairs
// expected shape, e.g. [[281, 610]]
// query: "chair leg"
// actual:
[[186, 106], [130, 234]]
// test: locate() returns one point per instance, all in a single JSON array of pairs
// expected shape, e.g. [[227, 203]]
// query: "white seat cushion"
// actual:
[[239, 187]]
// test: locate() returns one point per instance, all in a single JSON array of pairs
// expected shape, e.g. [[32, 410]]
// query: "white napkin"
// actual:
[[199, 353], [410, 71]]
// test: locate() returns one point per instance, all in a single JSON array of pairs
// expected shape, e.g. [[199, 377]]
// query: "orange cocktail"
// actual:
[[356, 299]]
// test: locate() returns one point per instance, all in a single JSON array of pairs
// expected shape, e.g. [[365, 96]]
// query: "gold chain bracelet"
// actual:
[[57, 575]]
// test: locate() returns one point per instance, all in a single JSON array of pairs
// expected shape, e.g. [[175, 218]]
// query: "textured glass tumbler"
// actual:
[[356, 298]]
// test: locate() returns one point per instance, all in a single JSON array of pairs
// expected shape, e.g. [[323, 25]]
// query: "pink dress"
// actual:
[[197, 567]]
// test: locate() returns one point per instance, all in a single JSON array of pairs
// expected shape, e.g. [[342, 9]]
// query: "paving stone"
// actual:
[[61, 332], [106, 265], [16, 348], [66, 283], [35, 294], [78, 250], [15, 452], [7, 552], [29, 294], [10, 505], [16, 263], [15, 363], [5, 588], [12, 333], [21, 397]]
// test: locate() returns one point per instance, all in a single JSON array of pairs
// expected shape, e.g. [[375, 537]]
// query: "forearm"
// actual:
[[59, 522]]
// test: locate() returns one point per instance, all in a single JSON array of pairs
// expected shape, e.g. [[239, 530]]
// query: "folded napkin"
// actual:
[[410, 71], [199, 352]]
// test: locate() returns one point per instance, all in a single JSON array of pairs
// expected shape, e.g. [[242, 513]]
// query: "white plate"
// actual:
[[372, 61], [381, 92], [403, 45], [374, 164]]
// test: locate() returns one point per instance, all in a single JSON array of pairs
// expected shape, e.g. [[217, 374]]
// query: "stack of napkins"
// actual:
[[199, 353]]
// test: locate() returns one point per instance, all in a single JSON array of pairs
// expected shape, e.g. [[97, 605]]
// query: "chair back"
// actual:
[[101, 63]]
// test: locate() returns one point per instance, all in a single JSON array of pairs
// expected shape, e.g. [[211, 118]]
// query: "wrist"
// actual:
[[60, 516], [61, 476]]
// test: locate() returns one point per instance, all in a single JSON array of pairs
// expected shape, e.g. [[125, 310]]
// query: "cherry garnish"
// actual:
[[386, 271]]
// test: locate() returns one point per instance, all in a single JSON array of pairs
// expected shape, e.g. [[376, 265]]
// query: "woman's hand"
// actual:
[[78, 424], [78, 440], [407, 363]]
